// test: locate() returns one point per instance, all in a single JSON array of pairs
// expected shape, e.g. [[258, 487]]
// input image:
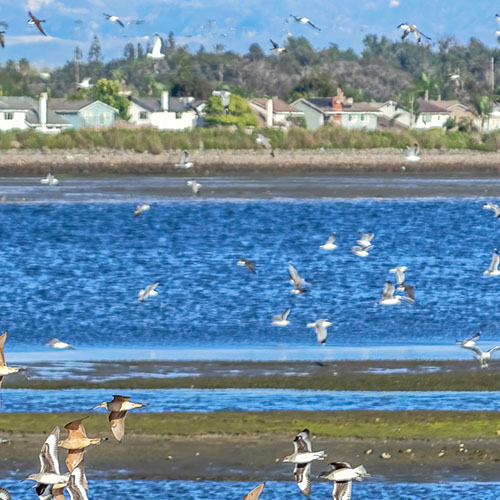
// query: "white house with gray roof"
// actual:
[[166, 113], [24, 113], [84, 113]]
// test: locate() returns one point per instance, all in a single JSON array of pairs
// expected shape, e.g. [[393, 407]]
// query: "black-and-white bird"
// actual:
[[34, 21], [156, 53], [114, 19], [250, 264], [320, 326], [276, 48], [412, 153], [184, 163], [493, 269], [469, 342], [494, 207], [483, 356], [343, 475], [305, 20], [264, 141], [412, 28]]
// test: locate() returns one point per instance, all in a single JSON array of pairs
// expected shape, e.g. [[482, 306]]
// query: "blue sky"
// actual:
[[234, 23]]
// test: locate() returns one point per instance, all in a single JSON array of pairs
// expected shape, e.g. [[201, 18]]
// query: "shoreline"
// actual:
[[107, 162]]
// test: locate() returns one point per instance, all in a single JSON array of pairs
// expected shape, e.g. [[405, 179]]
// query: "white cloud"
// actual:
[[393, 3], [36, 5], [34, 39]]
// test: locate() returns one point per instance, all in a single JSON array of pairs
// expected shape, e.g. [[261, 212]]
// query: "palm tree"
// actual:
[[482, 107], [426, 84]]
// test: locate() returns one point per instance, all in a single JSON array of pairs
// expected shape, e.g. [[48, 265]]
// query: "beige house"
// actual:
[[456, 109], [274, 112]]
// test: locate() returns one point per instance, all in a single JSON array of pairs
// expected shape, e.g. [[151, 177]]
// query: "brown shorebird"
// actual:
[[77, 483], [4, 369], [49, 466], [76, 442], [255, 493], [118, 408], [302, 457]]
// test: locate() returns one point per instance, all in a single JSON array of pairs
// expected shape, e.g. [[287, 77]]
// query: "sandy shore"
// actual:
[[255, 458], [238, 162]]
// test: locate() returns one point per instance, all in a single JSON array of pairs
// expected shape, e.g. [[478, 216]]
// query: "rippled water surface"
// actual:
[[201, 490], [73, 271], [202, 400]]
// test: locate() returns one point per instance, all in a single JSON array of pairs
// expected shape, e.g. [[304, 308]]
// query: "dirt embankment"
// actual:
[[223, 162]]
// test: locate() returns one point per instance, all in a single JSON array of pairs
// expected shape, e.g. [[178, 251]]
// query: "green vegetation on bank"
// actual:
[[437, 381], [427, 425], [149, 140]]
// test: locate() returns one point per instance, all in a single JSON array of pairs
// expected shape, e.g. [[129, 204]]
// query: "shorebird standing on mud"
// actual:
[[76, 442], [118, 408], [4, 369], [302, 457]]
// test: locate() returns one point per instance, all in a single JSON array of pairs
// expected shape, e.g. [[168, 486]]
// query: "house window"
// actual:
[[362, 118], [351, 118], [178, 115], [8, 116], [143, 115]]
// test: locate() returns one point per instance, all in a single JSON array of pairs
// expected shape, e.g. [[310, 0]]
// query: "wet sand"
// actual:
[[254, 458]]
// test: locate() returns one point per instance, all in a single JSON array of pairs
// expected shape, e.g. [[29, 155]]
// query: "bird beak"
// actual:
[[95, 407]]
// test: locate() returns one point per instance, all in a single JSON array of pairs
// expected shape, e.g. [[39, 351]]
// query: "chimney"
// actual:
[[164, 100], [42, 104], [269, 113]]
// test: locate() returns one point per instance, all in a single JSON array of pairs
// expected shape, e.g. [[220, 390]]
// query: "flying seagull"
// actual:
[[149, 291], [4, 369], [58, 344], [281, 319], [400, 274], [156, 53], [494, 207], [498, 19], [247, 263], [141, 208], [343, 474], [276, 48], [264, 141], [296, 280], [49, 464], [469, 342], [412, 153], [365, 240], [85, 84], [114, 19], [330, 243], [412, 28], [388, 297], [184, 163], [195, 186], [36, 22], [361, 251], [320, 326], [302, 458], [493, 269], [118, 408], [483, 356], [49, 180], [305, 20]]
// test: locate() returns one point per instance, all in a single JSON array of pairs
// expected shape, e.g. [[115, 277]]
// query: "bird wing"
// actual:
[[406, 32], [119, 21], [498, 17], [117, 421], [474, 348], [255, 493], [302, 473], [121, 399], [49, 461], [261, 139], [33, 18], [185, 157], [424, 35], [303, 441], [493, 349], [285, 314], [275, 45], [331, 239], [3, 338], [388, 292], [39, 26], [342, 490], [410, 291], [74, 458], [251, 265], [473, 338], [320, 332], [76, 484], [2, 40], [294, 275], [495, 259], [76, 429], [313, 25]]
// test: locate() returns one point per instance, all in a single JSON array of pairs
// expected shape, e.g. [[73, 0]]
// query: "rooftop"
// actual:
[[175, 104], [279, 106]]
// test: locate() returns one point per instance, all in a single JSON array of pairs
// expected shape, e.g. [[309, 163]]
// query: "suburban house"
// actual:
[[274, 112], [24, 113], [431, 115], [338, 111], [456, 109], [166, 113], [394, 116], [81, 114]]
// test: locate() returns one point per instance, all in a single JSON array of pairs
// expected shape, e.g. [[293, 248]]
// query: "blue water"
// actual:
[[73, 271], [207, 400], [201, 490]]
